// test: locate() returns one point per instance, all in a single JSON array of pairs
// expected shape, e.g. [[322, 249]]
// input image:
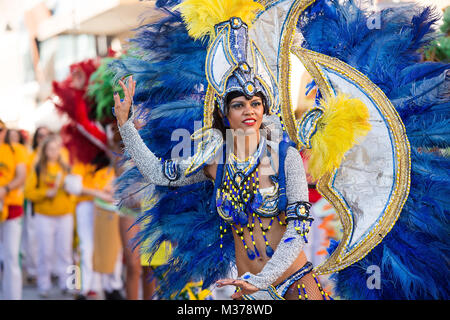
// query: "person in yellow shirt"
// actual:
[[85, 229], [29, 242], [96, 177], [53, 208], [107, 260], [12, 177]]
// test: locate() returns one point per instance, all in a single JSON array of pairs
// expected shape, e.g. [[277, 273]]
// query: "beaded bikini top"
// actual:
[[239, 196]]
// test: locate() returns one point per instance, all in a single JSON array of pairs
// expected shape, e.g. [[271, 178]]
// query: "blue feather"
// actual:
[[429, 132], [169, 69], [413, 256], [184, 218]]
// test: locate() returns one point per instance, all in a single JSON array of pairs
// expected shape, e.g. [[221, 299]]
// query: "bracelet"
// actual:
[[298, 211], [171, 169]]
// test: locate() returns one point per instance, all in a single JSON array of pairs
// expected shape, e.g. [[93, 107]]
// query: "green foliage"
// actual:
[[439, 50]]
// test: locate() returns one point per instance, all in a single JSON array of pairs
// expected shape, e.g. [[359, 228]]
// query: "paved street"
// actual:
[[30, 292]]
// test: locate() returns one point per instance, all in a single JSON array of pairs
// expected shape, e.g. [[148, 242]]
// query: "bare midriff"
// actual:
[[245, 264]]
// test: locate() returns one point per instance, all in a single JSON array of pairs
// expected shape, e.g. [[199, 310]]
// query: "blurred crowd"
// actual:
[[60, 229], [54, 235]]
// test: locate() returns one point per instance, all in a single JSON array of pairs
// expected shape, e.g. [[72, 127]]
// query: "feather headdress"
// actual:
[[201, 16]]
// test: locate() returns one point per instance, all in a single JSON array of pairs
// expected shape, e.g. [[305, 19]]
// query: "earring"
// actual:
[[226, 122]]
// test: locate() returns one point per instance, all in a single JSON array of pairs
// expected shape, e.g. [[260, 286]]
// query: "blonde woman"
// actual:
[[54, 214]]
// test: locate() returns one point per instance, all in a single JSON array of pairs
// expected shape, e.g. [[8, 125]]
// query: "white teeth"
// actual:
[[249, 121]]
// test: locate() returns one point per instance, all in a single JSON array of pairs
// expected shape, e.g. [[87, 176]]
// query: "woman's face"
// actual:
[[41, 135], [78, 79], [14, 136], [52, 150], [2, 132], [246, 114]]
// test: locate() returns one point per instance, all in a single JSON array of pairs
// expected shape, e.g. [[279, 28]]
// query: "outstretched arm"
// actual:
[[153, 169]]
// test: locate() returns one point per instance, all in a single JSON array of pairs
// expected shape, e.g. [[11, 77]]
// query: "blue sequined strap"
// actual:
[[283, 148], [217, 181], [282, 288]]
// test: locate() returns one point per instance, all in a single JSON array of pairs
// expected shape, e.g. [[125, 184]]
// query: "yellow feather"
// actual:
[[344, 123], [201, 16]]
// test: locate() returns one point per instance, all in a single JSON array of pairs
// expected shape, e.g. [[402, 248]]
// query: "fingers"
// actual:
[[122, 107], [233, 282], [226, 282], [130, 86], [237, 294], [116, 101], [124, 88], [134, 86]]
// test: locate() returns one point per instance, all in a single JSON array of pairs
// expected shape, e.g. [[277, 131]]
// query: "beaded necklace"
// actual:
[[239, 192], [239, 197]]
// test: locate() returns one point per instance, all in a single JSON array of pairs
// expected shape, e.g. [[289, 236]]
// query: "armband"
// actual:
[[298, 212], [171, 169]]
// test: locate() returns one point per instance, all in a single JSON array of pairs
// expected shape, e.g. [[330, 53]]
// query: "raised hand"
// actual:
[[122, 108]]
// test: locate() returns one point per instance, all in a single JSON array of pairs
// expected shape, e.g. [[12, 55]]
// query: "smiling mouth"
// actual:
[[249, 122]]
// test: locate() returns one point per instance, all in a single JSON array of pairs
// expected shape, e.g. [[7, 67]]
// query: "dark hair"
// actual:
[[35, 137], [8, 138], [218, 116], [101, 161]]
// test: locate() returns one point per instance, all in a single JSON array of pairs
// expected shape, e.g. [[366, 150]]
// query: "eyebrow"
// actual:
[[251, 100]]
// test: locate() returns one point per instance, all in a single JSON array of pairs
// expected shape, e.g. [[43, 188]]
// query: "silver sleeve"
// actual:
[[291, 244], [149, 165]]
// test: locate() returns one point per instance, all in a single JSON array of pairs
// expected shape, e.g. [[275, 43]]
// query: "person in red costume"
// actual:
[[81, 136]]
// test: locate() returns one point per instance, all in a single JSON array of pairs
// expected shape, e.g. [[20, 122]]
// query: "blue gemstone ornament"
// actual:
[[243, 219], [257, 201], [256, 251], [269, 251], [251, 255], [219, 202], [227, 207]]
